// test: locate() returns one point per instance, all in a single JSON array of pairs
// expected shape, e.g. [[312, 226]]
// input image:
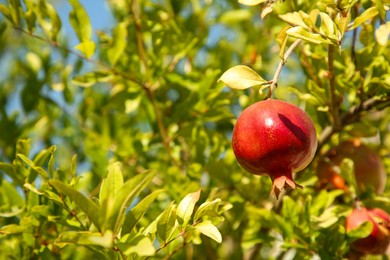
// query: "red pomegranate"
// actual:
[[369, 170], [379, 238], [274, 138]]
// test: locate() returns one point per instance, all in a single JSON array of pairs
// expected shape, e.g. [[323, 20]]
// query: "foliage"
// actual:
[[143, 103]]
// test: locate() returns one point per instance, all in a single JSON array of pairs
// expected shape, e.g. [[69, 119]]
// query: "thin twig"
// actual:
[[72, 213], [147, 86], [134, 12], [175, 251], [160, 124], [334, 105], [354, 37], [81, 56], [170, 241], [274, 81]]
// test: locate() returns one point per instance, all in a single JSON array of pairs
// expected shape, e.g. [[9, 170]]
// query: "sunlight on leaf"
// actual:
[[251, 2], [241, 77], [167, 222], [366, 15], [186, 207], [208, 229], [382, 33], [87, 48]]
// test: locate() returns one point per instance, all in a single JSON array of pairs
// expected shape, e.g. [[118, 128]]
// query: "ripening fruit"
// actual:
[[274, 138], [379, 238], [369, 170]]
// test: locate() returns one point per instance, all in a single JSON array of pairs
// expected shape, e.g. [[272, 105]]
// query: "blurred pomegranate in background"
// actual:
[[369, 170], [378, 240]]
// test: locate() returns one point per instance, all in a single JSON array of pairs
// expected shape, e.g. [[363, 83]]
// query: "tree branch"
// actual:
[[353, 115], [81, 56], [274, 81], [160, 124], [334, 106], [134, 12]]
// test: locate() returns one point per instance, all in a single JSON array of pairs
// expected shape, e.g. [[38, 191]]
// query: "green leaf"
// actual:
[[136, 213], [380, 5], [6, 12], [112, 183], [208, 229], [41, 158], [86, 205], [32, 188], [50, 164], [282, 39], [80, 22], [323, 200], [235, 16], [90, 78], [241, 77], [86, 47], [12, 203], [296, 19], [113, 214], [382, 33], [16, 10], [48, 19], [290, 210], [366, 15], [23, 146], [140, 245], [251, 2], [342, 23], [118, 42], [55, 20], [85, 238], [53, 196], [8, 169], [363, 230], [301, 33], [42, 210], [167, 222], [37, 169], [206, 209], [328, 27], [266, 10], [347, 171], [186, 207], [73, 166], [12, 229], [26, 160]]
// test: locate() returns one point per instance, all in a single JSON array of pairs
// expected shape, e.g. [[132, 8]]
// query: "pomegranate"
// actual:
[[369, 170], [379, 238], [274, 138]]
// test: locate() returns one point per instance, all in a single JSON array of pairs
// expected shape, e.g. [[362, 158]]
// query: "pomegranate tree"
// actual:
[[369, 170], [274, 138], [379, 238]]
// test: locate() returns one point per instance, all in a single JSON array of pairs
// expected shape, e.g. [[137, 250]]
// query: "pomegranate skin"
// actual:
[[274, 138], [379, 238], [369, 170]]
